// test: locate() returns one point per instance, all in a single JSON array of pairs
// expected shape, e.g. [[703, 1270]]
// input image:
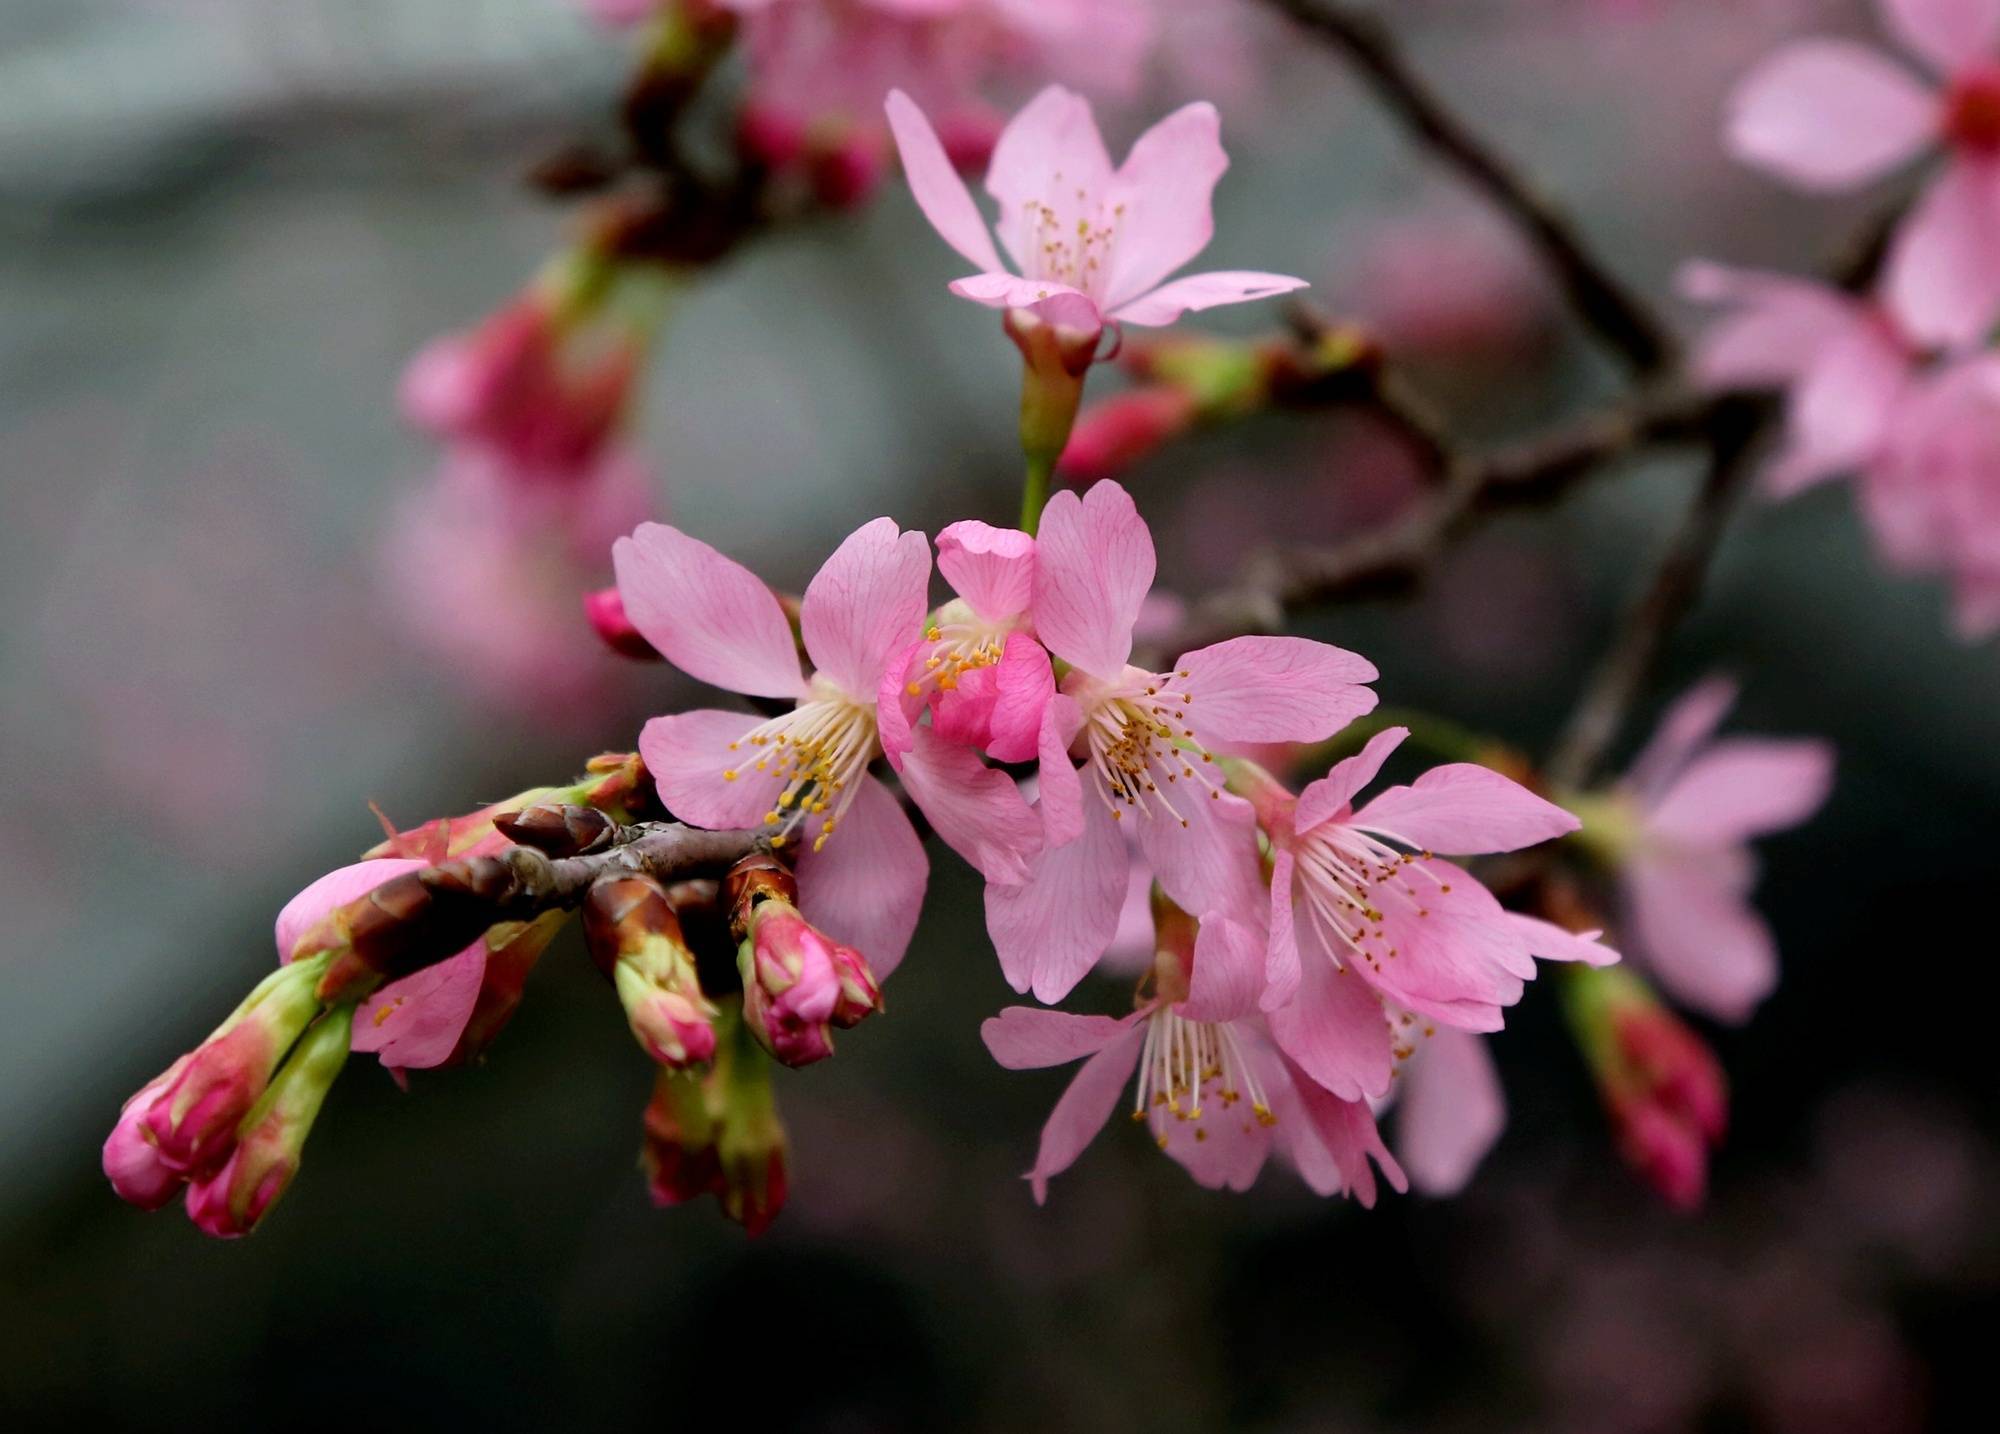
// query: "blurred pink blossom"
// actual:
[[1831, 114]]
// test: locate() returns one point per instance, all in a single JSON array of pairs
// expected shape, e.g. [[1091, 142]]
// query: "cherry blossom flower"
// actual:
[[803, 775], [984, 681], [1216, 1095], [1679, 829], [1075, 226], [1932, 497], [1375, 942], [1844, 364], [1831, 114], [1123, 747], [1449, 1109]]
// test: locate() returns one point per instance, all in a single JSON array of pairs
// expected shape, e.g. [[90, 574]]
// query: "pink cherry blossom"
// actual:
[[1843, 363], [1933, 495], [1373, 940], [1449, 1110], [1693, 803], [1831, 114], [1215, 1093], [1123, 747], [803, 775], [1075, 226]]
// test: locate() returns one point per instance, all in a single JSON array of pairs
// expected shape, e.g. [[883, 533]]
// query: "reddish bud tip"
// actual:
[[606, 610], [1111, 436]]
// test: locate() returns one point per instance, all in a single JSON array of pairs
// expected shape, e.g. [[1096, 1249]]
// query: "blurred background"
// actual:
[[224, 227]]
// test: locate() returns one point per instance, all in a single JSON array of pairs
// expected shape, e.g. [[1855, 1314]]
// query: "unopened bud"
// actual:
[[192, 1117], [266, 1156], [846, 174], [558, 829], [1663, 1088], [132, 1162], [798, 984], [717, 1132], [635, 937], [614, 628]]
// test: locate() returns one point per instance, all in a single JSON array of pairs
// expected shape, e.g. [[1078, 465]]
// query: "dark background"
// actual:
[[223, 226]]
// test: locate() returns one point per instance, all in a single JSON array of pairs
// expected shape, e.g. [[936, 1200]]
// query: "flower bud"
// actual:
[[192, 1118], [606, 610], [846, 172], [266, 1156], [132, 1162], [798, 983], [717, 1132], [1662, 1087], [1111, 436], [635, 937], [556, 829]]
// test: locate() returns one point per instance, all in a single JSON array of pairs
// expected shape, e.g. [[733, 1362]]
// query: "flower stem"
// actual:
[[1035, 491]]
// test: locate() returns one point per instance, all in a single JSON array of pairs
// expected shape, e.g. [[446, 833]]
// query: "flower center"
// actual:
[[1139, 743], [1351, 880], [959, 646], [1070, 240], [819, 751], [1185, 1065], [1972, 110]]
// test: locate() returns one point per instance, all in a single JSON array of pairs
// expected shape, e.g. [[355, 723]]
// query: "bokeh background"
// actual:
[[225, 224]]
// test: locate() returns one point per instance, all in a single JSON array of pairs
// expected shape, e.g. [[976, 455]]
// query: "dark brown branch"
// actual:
[[1600, 298], [1669, 595], [1473, 488]]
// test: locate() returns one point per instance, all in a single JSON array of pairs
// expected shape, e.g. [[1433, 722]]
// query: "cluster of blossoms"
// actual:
[[1899, 387]]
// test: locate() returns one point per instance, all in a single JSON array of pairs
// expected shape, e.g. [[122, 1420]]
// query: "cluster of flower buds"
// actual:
[[227, 1121], [716, 1131], [1661, 1085], [798, 984]]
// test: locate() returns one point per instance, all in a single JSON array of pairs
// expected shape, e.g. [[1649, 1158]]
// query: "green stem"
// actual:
[[1035, 491]]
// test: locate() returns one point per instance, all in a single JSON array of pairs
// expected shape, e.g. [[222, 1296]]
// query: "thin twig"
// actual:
[[1618, 316], [1668, 596]]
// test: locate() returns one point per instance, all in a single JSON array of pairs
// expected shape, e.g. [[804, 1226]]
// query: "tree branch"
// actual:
[[1618, 316]]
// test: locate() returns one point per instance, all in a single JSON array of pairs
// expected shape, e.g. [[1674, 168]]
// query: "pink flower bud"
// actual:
[[132, 1162], [1111, 436], [773, 137], [846, 174], [797, 984], [635, 937], [193, 1119], [260, 1168], [606, 610], [717, 1132]]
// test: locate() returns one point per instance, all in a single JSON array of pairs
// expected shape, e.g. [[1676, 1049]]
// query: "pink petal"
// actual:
[[336, 888], [688, 752], [1202, 291], [938, 190], [1450, 1111], [992, 568], [1133, 945], [1275, 689], [1094, 564], [1008, 291], [1210, 864], [1049, 154], [1951, 34], [1346, 1129], [1084, 1108], [1228, 974], [896, 711], [1830, 114], [1028, 1037], [1742, 788], [1689, 723], [1223, 1149], [865, 886], [1841, 410], [1463, 807], [1165, 187], [1061, 787], [1049, 931], [1777, 327], [865, 604], [1551, 942], [1701, 939], [1334, 1028], [711, 617], [1024, 685], [977, 810], [1943, 278], [1458, 958], [415, 1023], [1326, 798], [1281, 954]]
